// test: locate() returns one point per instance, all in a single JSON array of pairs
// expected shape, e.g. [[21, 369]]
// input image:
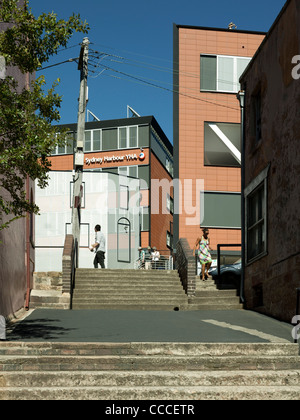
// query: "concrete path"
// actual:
[[231, 326]]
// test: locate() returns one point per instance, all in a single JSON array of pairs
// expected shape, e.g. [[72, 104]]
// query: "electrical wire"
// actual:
[[112, 58], [161, 87], [70, 60]]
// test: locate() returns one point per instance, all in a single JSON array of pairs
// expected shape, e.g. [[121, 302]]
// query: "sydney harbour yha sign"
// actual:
[[115, 158]]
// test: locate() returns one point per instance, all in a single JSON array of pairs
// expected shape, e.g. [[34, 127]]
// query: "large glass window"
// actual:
[[221, 210], [221, 73], [222, 144]]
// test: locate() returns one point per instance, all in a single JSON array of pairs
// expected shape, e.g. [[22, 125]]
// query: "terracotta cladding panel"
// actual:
[[160, 222], [61, 163], [144, 239]]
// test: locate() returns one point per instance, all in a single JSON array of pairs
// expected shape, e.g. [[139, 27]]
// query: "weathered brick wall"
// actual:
[[186, 266], [271, 281]]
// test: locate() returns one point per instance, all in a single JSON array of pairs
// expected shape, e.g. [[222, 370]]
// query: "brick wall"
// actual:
[[160, 223]]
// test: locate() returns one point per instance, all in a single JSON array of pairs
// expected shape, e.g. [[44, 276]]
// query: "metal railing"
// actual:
[[165, 262], [73, 270], [296, 319]]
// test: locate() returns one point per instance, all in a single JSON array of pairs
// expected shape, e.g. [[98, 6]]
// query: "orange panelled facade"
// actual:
[[161, 220], [195, 107], [104, 160]]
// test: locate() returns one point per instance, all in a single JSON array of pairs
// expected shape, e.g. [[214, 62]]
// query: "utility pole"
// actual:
[[79, 152]]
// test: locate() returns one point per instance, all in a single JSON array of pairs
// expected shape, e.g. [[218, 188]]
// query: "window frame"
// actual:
[[128, 129], [255, 187], [235, 68]]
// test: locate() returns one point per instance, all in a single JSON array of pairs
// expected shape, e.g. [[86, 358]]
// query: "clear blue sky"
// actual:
[[141, 32]]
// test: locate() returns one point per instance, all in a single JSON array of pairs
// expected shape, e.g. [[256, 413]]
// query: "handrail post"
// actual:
[[297, 314]]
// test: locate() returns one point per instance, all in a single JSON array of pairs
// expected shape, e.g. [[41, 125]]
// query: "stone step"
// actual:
[[149, 379], [147, 306], [216, 300], [147, 363], [213, 307], [127, 280], [153, 393], [49, 299], [130, 292], [125, 285], [126, 273], [215, 293], [44, 348], [129, 299]]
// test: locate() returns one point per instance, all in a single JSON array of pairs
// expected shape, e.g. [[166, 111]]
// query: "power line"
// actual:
[[160, 87], [112, 58], [70, 60]]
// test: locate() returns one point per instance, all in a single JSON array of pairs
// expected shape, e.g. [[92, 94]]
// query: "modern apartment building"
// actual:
[[207, 136]]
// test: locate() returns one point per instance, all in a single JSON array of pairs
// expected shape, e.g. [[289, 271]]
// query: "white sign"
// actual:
[[115, 158]]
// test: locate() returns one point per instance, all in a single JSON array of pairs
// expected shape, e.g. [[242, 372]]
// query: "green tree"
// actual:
[[27, 136]]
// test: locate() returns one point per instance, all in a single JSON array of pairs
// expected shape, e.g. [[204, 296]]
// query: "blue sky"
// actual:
[[137, 38]]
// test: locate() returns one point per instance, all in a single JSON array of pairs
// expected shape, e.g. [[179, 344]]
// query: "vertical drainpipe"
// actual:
[[241, 98]]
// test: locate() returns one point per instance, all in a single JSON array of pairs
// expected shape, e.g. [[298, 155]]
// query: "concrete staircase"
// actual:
[[149, 371], [208, 296], [128, 289], [47, 291]]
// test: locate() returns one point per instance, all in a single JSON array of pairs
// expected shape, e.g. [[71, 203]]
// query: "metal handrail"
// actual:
[[73, 269], [165, 262], [297, 315]]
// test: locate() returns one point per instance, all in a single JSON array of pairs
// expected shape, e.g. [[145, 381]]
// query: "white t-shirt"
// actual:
[[100, 239]]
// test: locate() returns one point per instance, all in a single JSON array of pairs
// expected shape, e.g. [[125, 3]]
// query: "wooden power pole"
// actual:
[[79, 152]]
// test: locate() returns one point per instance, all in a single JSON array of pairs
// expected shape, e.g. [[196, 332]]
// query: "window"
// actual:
[[131, 171], [169, 240], [256, 217], [88, 141], [128, 137], [96, 140], [67, 148], [222, 144], [255, 231], [170, 204], [221, 210], [145, 219], [109, 139], [124, 197], [221, 73]]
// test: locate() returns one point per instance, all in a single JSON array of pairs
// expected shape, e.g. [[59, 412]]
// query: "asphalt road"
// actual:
[[231, 326]]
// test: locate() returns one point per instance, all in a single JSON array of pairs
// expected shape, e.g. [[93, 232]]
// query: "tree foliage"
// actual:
[[27, 113]]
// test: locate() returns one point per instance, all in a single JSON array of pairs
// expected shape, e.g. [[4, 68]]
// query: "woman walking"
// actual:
[[204, 253]]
